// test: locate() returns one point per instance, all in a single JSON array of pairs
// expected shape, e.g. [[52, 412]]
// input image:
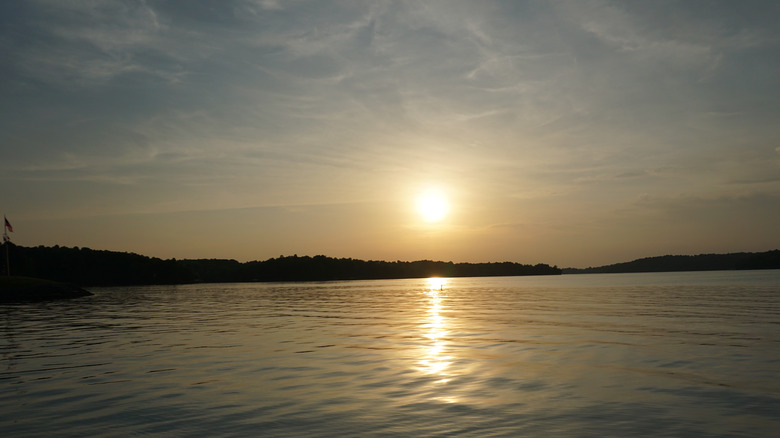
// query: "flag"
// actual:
[[8, 225]]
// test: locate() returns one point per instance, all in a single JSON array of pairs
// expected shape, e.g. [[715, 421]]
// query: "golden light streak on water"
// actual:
[[436, 284], [436, 360]]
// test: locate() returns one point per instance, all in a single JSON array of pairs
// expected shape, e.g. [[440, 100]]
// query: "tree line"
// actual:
[[701, 262], [88, 267]]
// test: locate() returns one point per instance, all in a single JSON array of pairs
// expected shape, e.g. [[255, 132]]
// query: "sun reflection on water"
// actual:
[[436, 361], [436, 284]]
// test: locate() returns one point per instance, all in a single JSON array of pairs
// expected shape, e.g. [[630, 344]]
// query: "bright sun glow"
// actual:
[[433, 206]]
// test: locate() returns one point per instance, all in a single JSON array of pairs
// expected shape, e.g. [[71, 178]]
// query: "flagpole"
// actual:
[[6, 243]]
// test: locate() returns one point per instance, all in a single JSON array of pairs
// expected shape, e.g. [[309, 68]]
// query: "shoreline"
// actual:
[[27, 289]]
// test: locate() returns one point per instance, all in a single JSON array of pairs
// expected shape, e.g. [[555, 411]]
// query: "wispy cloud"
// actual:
[[246, 103]]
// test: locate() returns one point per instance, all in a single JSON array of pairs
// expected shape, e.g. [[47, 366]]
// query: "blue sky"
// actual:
[[574, 133]]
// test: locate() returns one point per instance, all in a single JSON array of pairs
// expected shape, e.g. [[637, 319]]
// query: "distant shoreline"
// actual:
[[88, 267], [679, 263]]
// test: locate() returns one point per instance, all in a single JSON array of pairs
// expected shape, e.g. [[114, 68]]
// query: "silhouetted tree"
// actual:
[[88, 267]]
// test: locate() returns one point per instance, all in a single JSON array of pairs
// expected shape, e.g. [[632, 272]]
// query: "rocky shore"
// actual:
[[23, 289]]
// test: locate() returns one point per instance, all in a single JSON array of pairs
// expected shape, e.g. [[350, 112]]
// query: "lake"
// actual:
[[692, 354]]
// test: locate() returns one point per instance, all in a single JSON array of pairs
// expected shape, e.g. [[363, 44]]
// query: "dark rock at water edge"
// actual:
[[41, 292]]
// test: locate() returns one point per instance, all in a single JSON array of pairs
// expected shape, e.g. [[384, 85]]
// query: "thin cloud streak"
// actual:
[[527, 111]]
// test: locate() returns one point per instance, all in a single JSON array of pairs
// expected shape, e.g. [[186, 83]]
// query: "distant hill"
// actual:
[[701, 262], [88, 267]]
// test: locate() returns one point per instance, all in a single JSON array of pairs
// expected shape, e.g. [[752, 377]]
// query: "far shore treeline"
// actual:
[[701, 262], [88, 267]]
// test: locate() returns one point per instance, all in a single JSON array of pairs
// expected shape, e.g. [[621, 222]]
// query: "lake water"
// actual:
[[679, 355]]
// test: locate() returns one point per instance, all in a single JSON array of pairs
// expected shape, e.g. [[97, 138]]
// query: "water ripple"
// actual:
[[643, 355]]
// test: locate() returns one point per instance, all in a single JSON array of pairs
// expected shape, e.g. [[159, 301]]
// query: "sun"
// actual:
[[433, 206]]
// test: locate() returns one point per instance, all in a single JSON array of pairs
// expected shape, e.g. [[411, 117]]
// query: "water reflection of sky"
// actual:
[[478, 357], [436, 361]]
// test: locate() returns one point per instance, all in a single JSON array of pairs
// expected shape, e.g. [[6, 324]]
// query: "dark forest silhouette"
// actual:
[[88, 267], [701, 262]]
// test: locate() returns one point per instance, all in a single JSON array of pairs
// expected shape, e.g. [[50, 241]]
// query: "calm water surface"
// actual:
[[684, 354]]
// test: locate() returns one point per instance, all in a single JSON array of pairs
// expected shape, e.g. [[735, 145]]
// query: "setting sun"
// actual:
[[432, 206]]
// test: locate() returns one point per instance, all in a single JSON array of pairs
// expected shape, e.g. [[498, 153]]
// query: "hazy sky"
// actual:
[[574, 133]]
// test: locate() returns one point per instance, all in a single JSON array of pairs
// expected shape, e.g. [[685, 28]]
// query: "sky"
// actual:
[[574, 133]]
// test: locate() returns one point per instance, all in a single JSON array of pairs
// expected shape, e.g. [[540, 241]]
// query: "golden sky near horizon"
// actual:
[[574, 133]]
